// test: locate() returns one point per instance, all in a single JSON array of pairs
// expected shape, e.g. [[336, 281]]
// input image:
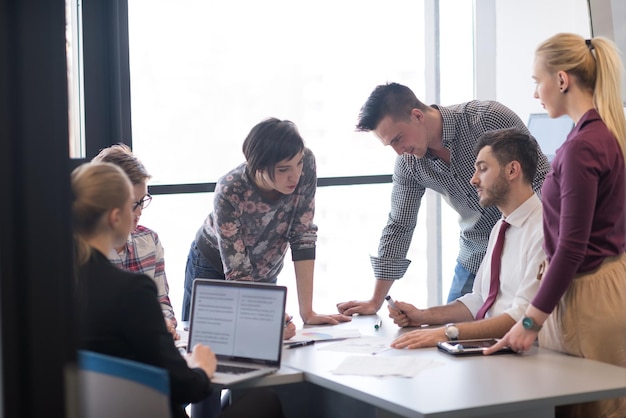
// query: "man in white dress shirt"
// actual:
[[505, 165]]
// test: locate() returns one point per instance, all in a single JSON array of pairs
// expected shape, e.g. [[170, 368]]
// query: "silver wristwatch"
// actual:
[[452, 332]]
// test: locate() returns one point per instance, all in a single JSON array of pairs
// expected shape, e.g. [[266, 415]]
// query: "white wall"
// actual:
[[520, 27]]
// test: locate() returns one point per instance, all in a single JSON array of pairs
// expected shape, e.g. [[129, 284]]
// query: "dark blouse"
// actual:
[[584, 213], [119, 315]]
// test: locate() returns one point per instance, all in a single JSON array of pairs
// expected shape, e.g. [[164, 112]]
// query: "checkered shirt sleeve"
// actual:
[[463, 124]]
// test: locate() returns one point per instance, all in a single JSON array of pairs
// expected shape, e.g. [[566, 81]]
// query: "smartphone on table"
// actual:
[[470, 347]]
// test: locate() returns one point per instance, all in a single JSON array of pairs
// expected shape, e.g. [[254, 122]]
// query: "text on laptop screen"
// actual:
[[239, 321]]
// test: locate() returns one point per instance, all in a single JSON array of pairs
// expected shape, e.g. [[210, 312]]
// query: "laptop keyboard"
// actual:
[[221, 368]]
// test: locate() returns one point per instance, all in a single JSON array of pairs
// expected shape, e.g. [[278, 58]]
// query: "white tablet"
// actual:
[[470, 347]]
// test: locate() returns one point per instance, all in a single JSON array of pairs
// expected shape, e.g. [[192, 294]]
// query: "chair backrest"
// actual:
[[114, 387]]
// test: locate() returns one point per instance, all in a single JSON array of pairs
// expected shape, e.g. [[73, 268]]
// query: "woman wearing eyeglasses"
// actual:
[[142, 252]]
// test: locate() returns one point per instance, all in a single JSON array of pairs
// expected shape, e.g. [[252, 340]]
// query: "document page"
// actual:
[[240, 322], [259, 324], [401, 366]]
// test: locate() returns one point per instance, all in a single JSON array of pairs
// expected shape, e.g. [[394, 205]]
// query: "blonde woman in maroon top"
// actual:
[[581, 302]]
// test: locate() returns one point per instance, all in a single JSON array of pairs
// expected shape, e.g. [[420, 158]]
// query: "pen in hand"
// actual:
[[301, 344], [288, 321], [392, 303]]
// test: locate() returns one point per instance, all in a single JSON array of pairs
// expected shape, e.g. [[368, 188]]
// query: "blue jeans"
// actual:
[[462, 282], [197, 267]]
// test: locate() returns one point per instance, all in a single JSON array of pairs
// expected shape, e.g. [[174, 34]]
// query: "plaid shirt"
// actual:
[[463, 124], [143, 253]]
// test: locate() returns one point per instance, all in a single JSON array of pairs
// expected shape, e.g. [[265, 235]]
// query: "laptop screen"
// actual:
[[238, 320], [549, 132]]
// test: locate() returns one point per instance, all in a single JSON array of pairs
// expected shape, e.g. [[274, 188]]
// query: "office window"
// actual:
[[74, 54], [203, 73], [349, 219], [457, 86]]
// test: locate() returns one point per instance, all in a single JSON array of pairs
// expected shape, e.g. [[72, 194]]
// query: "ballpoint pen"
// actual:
[[301, 344], [288, 321]]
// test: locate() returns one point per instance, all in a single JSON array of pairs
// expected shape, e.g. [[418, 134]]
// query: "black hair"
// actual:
[[391, 99], [512, 145], [269, 142]]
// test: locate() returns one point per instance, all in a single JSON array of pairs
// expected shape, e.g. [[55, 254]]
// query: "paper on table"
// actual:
[[184, 337], [363, 345], [402, 366], [324, 333]]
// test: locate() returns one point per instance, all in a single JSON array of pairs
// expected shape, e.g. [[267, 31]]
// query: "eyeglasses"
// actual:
[[143, 202]]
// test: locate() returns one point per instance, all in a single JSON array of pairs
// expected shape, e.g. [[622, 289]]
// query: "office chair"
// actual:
[[114, 387]]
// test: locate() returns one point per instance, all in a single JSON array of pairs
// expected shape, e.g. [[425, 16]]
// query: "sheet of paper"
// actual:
[[363, 345], [324, 333], [182, 341], [402, 366]]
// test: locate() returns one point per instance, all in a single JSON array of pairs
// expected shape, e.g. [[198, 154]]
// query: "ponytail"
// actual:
[[607, 92], [598, 69], [83, 250]]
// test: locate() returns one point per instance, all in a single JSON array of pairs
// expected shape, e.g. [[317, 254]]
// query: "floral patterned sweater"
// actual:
[[250, 234]]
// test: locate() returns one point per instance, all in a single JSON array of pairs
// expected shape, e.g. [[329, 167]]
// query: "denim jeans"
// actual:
[[462, 283], [209, 407], [197, 267]]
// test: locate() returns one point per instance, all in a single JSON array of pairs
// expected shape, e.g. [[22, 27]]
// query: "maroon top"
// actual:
[[584, 214]]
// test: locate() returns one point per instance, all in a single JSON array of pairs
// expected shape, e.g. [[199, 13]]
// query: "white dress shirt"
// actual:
[[521, 257]]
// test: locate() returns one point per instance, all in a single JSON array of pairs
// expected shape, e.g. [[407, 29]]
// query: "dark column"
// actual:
[[36, 278]]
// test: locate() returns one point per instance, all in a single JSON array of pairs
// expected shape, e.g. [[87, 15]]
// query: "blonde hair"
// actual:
[[596, 65], [122, 156], [97, 188]]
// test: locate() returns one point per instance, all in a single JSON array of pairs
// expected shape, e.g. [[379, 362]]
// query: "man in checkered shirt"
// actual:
[[435, 150]]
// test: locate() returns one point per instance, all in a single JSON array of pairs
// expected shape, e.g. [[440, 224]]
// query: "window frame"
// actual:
[[107, 111]]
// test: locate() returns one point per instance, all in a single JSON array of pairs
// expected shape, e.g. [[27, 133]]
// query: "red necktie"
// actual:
[[494, 285]]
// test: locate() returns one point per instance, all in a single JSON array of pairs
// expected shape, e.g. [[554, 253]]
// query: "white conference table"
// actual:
[[510, 385]]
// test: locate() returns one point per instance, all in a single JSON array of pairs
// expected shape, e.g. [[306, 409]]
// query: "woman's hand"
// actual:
[[172, 329], [518, 338], [290, 327], [204, 358]]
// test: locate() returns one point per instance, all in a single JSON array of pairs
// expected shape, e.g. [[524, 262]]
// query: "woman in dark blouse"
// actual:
[[119, 314]]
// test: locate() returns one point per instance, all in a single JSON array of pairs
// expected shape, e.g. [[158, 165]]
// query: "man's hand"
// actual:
[[366, 307], [420, 338], [318, 319], [407, 315]]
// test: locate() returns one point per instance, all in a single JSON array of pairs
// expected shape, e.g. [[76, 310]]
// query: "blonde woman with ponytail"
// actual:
[[580, 308]]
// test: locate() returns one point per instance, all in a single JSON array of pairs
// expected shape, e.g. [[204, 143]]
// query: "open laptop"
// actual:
[[243, 324]]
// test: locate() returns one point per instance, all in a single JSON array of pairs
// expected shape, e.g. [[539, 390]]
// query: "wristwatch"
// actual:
[[530, 324], [452, 332]]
